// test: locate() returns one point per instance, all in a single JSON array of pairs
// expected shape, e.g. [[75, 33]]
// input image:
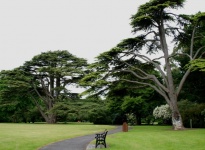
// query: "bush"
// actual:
[[162, 114], [191, 111], [99, 116]]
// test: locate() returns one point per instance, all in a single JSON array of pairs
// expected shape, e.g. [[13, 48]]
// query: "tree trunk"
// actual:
[[177, 121], [138, 119], [50, 118]]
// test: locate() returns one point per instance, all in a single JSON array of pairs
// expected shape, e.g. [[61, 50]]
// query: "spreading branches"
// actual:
[[160, 91]]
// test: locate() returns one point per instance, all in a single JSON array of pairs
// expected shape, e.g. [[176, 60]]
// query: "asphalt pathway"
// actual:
[[79, 143]]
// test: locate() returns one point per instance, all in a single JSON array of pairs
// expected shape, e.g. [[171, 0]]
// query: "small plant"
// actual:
[[131, 119]]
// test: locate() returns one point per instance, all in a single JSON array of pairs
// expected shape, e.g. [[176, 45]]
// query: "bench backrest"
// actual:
[[101, 135]]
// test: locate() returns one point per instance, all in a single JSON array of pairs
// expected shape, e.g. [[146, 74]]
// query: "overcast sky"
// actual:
[[85, 28]]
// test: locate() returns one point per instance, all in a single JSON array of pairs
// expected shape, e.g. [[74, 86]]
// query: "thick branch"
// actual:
[[148, 77], [161, 92], [44, 99], [192, 42], [145, 58], [46, 89], [197, 52], [155, 59], [155, 33], [181, 54], [182, 81], [39, 107]]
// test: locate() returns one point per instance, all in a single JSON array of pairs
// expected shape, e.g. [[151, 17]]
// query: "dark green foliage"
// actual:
[[15, 96], [194, 87], [82, 110], [151, 13], [192, 111], [100, 115]]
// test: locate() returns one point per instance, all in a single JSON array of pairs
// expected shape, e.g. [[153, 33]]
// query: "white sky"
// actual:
[[85, 28]]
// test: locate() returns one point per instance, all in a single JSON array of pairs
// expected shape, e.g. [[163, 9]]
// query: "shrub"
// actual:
[[162, 114], [191, 111]]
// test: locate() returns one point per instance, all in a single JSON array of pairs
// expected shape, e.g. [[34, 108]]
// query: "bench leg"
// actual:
[[96, 144], [105, 144]]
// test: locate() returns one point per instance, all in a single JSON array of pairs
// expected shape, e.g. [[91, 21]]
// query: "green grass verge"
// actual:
[[157, 138], [34, 136]]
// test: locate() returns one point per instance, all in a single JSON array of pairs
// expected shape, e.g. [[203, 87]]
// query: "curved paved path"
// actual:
[[79, 143]]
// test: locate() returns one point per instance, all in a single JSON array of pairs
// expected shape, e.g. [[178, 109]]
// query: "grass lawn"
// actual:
[[33, 136], [157, 138]]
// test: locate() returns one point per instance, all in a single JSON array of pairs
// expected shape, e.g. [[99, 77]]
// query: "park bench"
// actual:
[[100, 138]]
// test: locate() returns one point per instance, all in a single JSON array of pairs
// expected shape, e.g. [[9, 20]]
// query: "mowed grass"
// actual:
[[157, 138], [34, 136]]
